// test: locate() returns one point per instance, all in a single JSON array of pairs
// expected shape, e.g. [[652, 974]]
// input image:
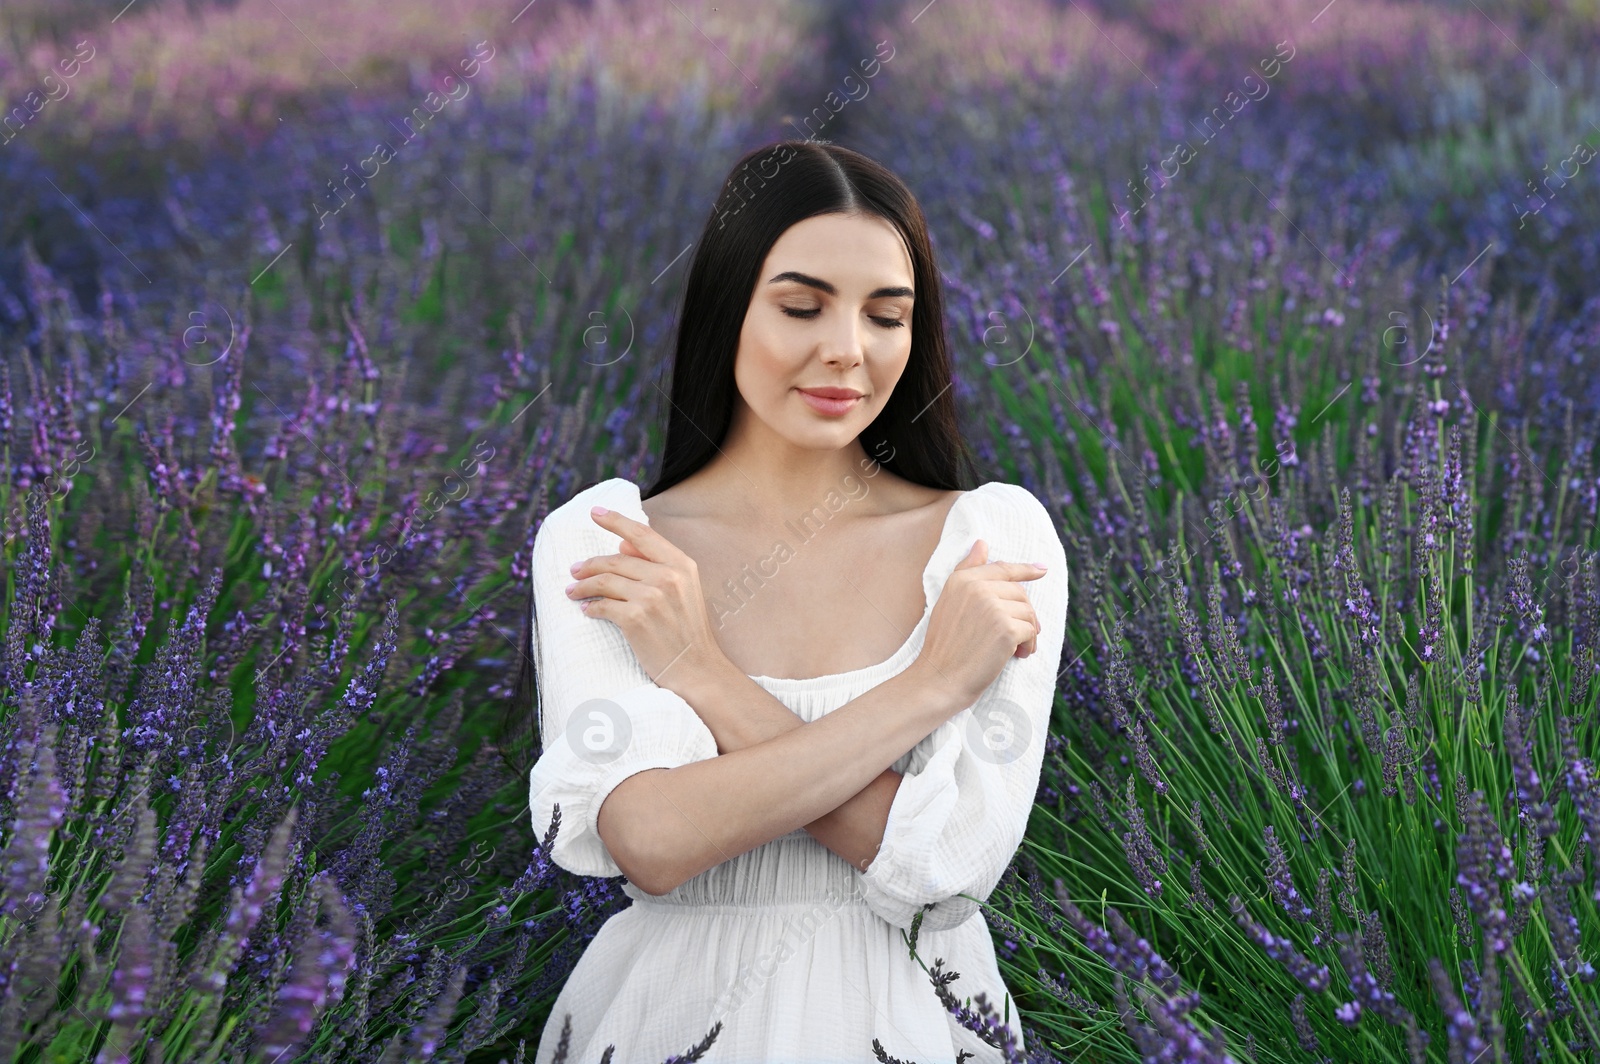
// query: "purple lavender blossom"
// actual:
[[1465, 1039], [1314, 977], [1281, 883]]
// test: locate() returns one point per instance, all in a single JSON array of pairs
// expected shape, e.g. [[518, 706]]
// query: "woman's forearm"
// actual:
[[674, 823], [740, 713]]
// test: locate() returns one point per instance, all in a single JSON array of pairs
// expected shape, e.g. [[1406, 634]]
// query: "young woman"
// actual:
[[797, 691]]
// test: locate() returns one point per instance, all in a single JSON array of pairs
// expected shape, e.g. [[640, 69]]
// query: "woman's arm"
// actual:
[[741, 713], [962, 806], [675, 823], [601, 719]]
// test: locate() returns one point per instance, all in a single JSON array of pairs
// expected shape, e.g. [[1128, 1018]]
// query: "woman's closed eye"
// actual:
[[887, 323]]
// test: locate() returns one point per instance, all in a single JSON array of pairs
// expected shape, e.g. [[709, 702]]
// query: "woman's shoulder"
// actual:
[[1012, 516], [1009, 500], [612, 493], [571, 518]]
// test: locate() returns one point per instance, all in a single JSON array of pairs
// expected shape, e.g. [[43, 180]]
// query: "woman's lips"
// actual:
[[829, 407]]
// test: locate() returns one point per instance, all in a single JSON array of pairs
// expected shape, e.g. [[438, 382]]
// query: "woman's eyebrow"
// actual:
[[821, 285]]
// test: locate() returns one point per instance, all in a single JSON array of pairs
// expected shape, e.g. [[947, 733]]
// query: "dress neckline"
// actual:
[[875, 672]]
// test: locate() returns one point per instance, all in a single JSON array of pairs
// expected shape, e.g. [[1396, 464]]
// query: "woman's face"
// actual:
[[830, 316]]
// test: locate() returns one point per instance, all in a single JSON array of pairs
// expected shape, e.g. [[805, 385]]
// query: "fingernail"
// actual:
[[599, 511], [575, 567], [1036, 565], [571, 586]]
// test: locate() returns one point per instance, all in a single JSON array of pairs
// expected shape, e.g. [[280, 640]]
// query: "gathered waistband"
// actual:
[[793, 873], [831, 901]]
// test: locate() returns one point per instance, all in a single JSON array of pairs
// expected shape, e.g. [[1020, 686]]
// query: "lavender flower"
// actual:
[[1465, 1041], [1302, 1025], [1349, 893], [1281, 883], [322, 962], [1483, 861], [1122, 948], [249, 902], [1324, 907], [1143, 857], [1313, 976], [1197, 890], [984, 1020], [26, 857], [1369, 993], [1532, 808], [1198, 825], [1375, 950]]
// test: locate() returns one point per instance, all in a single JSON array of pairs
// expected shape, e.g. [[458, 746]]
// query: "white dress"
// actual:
[[802, 956]]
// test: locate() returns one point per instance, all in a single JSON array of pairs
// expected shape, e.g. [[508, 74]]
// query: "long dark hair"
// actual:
[[917, 435]]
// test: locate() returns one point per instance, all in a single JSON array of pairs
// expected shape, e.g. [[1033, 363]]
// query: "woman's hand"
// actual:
[[981, 620], [651, 590]]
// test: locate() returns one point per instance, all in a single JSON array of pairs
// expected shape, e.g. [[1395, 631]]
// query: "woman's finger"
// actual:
[[1010, 590], [650, 544], [629, 565], [1023, 611], [1032, 643], [601, 585], [1009, 571]]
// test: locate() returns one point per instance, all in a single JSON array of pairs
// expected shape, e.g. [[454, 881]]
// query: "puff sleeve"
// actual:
[[965, 798], [601, 719]]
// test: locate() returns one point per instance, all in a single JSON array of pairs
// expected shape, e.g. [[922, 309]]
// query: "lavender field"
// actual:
[[1287, 311]]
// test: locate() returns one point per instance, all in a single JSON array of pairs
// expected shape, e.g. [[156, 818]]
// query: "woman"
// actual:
[[796, 693]]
